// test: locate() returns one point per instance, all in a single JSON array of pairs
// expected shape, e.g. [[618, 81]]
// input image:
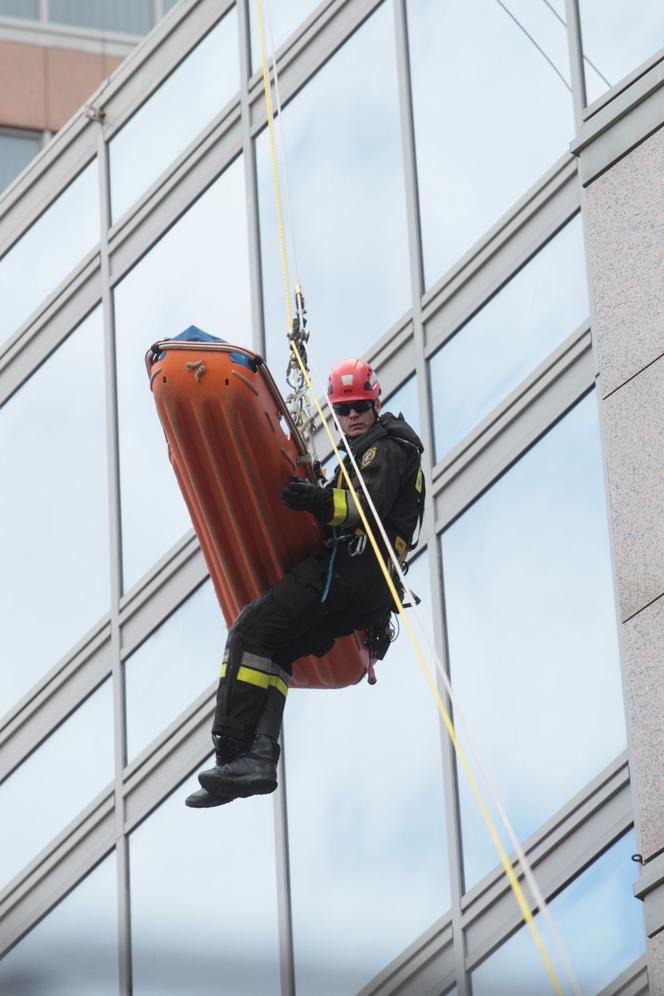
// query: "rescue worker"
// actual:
[[331, 593]]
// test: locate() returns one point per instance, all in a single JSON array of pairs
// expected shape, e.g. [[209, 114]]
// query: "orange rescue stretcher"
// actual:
[[234, 446]]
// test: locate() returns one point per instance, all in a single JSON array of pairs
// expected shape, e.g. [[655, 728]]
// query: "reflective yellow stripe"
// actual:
[[339, 508], [262, 680], [418, 480], [259, 678]]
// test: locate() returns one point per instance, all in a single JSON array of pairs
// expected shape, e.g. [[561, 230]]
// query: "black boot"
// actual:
[[226, 748], [253, 773]]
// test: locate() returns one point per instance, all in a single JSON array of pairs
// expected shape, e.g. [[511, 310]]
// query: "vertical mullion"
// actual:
[[575, 44], [112, 437], [284, 903], [284, 910], [156, 11], [251, 183], [433, 547]]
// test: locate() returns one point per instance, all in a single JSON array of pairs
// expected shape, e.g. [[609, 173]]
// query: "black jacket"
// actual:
[[389, 457]]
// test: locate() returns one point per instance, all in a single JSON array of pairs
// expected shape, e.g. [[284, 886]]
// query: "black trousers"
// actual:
[[288, 622]]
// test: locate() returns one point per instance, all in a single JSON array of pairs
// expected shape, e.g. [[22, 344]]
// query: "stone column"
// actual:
[[624, 222]]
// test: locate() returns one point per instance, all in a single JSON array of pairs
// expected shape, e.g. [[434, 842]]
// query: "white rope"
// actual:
[[282, 146], [520, 853], [521, 856]]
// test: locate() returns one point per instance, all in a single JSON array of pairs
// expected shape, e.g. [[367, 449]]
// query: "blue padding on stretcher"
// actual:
[[194, 334]]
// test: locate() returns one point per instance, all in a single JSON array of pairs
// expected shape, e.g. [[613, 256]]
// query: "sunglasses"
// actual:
[[346, 407]]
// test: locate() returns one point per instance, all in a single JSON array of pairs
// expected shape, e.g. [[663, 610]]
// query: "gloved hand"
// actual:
[[302, 496]]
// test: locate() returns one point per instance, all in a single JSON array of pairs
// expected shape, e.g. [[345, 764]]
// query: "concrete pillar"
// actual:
[[624, 219]]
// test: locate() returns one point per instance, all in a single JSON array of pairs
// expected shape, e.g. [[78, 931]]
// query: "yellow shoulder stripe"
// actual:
[[339, 508]]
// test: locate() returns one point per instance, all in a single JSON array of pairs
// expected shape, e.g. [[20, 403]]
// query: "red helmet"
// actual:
[[352, 380]]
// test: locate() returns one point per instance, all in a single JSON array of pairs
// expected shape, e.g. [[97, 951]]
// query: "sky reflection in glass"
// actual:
[[16, 151], [52, 246], [54, 557], [505, 341], [172, 118], [600, 924], [366, 822], [532, 631], [74, 950], [491, 114], [198, 274], [57, 781], [19, 8], [204, 899], [126, 16], [406, 401], [617, 38], [286, 16], [174, 666], [343, 148]]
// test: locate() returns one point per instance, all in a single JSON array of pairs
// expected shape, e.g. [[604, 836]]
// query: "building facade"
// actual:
[[476, 209], [53, 55]]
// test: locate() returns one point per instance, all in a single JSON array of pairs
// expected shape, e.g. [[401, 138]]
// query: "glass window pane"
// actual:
[[168, 4], [479, 148], [617, 37], [16, 151], [198, 274], [347, 189], [42, 258], [532, 632], [74, 950], [286, 16], [130, 16], [366, 823], [406, 401], [174, 665], [208, 926], [600, 924], [504, 342], [19, 8], [54, 560], [172, 118], [57, 781]]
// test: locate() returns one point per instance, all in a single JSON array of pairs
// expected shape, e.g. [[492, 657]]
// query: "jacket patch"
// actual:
[[368, 456]]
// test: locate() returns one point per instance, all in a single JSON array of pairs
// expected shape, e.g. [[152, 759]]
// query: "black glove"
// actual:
[[302, 496]]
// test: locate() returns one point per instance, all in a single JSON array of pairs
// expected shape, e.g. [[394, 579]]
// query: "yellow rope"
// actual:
[[509, 871], [275, 167]]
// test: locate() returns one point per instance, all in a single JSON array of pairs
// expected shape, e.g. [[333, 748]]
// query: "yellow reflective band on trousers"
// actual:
[[340, 508], [258, 678], [262, 680]]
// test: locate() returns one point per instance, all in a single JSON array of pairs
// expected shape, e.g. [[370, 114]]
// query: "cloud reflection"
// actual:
[[198, 274], [491, 115], [54, 549], [343, 148], [366, 821], [600, 924], [532, 631]]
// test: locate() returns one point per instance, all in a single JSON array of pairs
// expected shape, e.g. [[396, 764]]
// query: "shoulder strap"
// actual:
[[420, 487]]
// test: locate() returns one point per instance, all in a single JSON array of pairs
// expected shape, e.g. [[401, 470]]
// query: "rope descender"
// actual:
[[298, 401]]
